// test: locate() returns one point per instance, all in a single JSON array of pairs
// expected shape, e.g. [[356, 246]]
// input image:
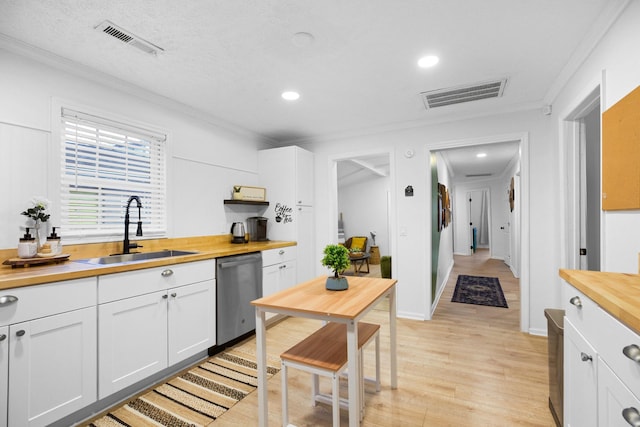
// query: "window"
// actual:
[[103, 163]]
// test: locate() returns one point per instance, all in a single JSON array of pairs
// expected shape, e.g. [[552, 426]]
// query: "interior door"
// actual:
[[589, 170]]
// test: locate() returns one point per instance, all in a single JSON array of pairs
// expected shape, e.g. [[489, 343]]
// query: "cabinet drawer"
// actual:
[[278, 255], [612, 341], [117, 286], [617, 405], [33, 302], [585, 314]]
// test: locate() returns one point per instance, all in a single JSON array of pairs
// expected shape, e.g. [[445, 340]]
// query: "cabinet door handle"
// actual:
[[632, 416], [166, 273], [281, 252], [576, 301], [585, 357], [20, 333], [165, 296], [7, 299], [3, 337], [174, 295], [632, 352]]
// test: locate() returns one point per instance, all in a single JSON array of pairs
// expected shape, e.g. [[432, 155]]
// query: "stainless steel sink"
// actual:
[[135, 257]]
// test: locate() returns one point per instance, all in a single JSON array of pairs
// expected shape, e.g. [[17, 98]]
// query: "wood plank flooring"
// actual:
[[469, 365]]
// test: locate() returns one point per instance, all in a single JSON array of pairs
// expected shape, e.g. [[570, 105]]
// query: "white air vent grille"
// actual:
[[457, 95], [129, 38], [477, 175]]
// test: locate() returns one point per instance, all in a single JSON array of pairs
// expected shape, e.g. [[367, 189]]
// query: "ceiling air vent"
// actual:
[[129, 38], [457, 95], [477, 175]]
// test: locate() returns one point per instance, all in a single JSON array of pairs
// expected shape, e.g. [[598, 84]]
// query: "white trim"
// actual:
[[569, 129], [524, 208]]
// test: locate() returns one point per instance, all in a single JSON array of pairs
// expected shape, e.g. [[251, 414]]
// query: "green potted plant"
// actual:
[[336, 257]]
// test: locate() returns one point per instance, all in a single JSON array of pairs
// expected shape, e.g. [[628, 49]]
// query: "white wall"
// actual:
[[205, 160], [364, 209], [410, 226], [615, 66]]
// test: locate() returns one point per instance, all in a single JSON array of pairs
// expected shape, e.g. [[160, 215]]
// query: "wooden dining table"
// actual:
[[312, 300]]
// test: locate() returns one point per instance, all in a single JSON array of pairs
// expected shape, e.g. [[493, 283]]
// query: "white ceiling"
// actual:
[[464, 164], [229, 60]]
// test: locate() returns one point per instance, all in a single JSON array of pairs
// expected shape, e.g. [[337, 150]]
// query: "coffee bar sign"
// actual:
[[244, 192]]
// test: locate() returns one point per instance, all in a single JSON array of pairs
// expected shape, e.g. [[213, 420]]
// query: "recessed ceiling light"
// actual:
[[480, 155], [428, 61], [302, 39], [290, 95]]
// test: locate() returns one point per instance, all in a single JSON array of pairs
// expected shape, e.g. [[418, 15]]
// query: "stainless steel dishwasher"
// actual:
[[239, 281]]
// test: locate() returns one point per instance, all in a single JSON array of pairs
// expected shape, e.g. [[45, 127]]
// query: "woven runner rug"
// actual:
[[479, 290], [194, 398]]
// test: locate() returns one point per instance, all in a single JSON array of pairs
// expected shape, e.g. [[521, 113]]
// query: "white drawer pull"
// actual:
[[632, 352], [166, 273], [576, 301], [632, 416], [7, 299], [585, 357]]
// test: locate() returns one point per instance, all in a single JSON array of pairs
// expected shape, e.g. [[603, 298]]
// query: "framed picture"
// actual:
[[512, 195]]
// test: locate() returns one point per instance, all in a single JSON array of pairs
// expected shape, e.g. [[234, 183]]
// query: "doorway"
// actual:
[[583, 225], [479, 218], [512, 225], [363, 185]]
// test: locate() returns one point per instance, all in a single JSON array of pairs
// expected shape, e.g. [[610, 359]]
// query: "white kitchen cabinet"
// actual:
[[602, 366], [617, 405], [52, 367], [4, 374], [288, 175], [278, 271], [191, 318], [580, 379], [132, 340], [48, 356], [151, 319]]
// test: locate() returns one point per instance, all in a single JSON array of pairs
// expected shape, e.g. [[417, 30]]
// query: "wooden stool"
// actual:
[[325, 353]]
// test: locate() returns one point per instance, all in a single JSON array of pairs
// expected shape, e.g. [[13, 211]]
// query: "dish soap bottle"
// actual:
[[54, 242], [27, 247]]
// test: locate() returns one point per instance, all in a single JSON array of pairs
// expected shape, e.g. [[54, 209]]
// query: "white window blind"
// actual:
[[104, 162]]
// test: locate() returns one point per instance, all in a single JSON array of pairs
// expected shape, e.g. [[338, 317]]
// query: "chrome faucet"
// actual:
[[126, 246]]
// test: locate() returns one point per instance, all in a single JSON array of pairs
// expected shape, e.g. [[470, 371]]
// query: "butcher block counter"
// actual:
[[617, 293], [207, 247]]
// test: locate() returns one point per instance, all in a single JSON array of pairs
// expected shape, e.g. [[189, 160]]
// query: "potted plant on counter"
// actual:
[[336, 257]]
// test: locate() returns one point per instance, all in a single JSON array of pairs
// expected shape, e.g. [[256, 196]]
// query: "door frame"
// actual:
[[572, 130], [523, 205]]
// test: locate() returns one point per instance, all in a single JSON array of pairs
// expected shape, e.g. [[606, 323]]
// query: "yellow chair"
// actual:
[[356, 244]]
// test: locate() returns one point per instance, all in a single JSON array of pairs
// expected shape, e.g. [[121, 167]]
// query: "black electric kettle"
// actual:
[[237, 233]]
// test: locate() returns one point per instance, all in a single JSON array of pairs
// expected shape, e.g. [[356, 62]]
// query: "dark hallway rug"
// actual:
[[479, 290]]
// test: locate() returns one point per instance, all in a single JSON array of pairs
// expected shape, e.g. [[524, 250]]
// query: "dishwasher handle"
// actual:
[[232, 263]]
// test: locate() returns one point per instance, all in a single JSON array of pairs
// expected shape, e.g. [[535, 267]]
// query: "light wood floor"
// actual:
[[469, 365]]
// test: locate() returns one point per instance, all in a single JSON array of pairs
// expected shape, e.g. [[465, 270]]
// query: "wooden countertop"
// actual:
[[207, 247], [617, 293], [312, 297]]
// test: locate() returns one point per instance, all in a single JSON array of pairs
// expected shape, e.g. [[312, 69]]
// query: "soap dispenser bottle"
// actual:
[[27, 247], [54, 242]]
